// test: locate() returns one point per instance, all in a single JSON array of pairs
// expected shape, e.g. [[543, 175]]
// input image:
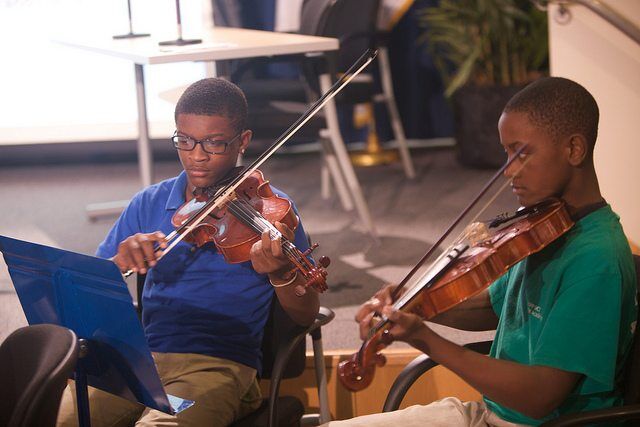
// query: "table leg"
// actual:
[[343, 158], [331, 168], [396, 122], [145, 158]]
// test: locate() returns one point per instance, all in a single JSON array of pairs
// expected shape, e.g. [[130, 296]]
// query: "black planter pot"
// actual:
[[476, 112]]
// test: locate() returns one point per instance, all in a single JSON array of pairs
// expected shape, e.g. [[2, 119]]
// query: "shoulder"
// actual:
[[155, 194], [280, 193], [284, 195], [597, 246]]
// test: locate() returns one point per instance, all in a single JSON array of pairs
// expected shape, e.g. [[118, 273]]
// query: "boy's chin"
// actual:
[[202, 183]]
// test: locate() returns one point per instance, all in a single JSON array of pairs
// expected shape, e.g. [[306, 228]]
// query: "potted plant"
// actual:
[[486, 50]]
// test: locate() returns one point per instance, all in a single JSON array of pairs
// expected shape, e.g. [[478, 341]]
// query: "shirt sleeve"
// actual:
[[581, 331], [300, 240]]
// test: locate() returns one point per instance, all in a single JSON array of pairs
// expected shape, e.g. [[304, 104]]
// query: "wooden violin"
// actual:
[[484, 253], [238, 224]]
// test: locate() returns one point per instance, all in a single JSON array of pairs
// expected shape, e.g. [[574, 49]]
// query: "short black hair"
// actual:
[[560, 106], [214, 97]]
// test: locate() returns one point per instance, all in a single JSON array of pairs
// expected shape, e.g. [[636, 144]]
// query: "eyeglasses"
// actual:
[[211, 146]]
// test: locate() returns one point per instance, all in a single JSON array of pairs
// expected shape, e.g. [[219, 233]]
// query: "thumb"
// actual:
[[396, 316]]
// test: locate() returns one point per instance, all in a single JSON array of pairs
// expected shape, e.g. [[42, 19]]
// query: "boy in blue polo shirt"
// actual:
[[565, 316], [203, 317]]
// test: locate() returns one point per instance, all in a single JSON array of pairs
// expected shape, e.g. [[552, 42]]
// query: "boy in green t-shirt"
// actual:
[[565, 316]]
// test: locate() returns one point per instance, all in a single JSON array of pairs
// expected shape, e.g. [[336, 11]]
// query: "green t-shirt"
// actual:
[[571, 306]]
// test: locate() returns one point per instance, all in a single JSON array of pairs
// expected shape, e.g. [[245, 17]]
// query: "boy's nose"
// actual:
[[198, 153], [511, 169]]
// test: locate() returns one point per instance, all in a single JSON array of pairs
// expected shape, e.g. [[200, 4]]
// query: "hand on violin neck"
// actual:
[[406, 327], [368, 313], [138, 252], [267, 254]]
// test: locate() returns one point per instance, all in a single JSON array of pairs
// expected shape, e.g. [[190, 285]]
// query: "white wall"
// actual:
[[54, 93], [592, 52]]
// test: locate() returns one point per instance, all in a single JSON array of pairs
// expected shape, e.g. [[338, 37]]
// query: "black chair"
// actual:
[[630, 386], [353, 22], [35, 363], [283, 352]]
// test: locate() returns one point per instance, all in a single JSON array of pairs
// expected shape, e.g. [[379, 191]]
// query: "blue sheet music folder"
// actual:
[[89, 296]]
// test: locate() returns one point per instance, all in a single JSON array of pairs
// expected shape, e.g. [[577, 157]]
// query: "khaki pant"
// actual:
[[223, 391], [449, 412]]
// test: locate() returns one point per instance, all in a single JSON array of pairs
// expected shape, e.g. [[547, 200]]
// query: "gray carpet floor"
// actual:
[[46, 204]]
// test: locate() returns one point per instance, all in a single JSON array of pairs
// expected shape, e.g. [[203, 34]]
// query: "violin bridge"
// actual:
[[475, 233]]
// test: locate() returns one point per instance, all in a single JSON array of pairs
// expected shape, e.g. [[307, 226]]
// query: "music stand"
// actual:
[[130, 34], [89, 296], [179, 41]]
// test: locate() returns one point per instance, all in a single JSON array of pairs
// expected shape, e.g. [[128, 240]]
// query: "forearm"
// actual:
[[526, 389], [302, 309], [468, 319], [474, 314]]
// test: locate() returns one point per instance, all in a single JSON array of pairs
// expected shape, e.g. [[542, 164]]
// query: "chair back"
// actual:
[[281, 331], [353, 22], [35, 363], [631, 385]]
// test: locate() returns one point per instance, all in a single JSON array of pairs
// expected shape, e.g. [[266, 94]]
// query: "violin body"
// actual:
[[238, 223], [485, 262], [231, 235], [467, 275]]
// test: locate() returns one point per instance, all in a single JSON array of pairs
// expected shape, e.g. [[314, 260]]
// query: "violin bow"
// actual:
[[225, 192], [455, 223]]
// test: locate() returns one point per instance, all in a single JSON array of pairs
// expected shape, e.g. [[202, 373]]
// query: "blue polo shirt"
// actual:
[[193, 300]]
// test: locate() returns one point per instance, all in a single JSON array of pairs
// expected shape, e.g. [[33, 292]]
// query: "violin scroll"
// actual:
[[356, 376]]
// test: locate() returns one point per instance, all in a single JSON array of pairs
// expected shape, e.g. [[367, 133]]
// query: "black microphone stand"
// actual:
[[179, 41], [130, 34]]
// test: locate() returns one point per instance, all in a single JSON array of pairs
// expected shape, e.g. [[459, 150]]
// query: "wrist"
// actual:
[[282, 280], [282, 274], [422, 339]]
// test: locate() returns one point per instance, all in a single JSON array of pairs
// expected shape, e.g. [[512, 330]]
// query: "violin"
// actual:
[[484, 253], [238, 224]]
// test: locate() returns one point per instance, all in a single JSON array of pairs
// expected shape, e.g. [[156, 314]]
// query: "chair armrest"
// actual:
[[618, 413], [405, 380], [414, 370], [324, 316], [284, 353]]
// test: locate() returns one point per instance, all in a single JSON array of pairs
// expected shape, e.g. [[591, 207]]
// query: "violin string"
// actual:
[[246, 212], [254, 216]]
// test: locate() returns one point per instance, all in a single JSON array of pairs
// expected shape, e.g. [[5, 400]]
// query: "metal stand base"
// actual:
[[180, 42], [130, 36], [368, 158]]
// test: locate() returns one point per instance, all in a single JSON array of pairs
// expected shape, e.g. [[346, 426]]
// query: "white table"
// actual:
[[222, 44]]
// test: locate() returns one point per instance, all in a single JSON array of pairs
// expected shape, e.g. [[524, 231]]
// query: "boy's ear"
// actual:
[[245, 139], [578, 149]]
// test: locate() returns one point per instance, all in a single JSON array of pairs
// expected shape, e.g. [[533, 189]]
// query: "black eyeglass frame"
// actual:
[[202, 142]]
